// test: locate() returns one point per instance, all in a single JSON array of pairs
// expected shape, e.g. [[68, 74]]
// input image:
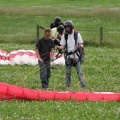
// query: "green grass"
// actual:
[[101, 70], [60, 3], [18, 19], [59, 111]]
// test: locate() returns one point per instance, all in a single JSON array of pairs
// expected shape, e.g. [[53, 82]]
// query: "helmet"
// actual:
[[60, 29], [57, 19], [69, 24]]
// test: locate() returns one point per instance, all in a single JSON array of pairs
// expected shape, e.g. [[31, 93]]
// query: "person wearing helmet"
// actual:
[[72, 42], [57, 34], [56, 22], [60, 30]]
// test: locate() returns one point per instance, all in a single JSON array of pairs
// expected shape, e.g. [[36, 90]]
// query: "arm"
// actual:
[[56, 38], [51, 26], [60, 47], [80, 42], [54, 34], [63, 44], [39, 57], [59, 36]]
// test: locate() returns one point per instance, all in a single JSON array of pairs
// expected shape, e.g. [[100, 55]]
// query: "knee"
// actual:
[[43, 76]]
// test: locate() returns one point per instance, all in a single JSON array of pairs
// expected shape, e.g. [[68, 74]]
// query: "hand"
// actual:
[[58, 40], [40, 60], [59, 36], [80, 47], [52, 59], [58, 47]]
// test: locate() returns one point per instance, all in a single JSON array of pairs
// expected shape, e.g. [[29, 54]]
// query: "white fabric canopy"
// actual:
[[21, 57]]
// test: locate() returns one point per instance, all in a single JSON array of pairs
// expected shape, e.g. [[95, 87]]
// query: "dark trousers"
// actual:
[[45, 74]]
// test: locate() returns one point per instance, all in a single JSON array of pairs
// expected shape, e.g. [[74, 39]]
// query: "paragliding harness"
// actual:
[[79, 53]]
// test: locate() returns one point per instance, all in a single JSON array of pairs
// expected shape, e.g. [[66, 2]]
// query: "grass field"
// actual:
[[18, 19], [101, 70], [59, 111]]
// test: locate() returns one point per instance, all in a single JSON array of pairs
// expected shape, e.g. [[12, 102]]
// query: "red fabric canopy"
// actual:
[[10, 92]]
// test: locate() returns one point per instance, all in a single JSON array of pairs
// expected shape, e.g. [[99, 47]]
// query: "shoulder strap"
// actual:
[[66, 38], [75, 37]]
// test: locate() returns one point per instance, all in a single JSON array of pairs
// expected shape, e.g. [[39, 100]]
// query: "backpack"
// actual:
[[81, 56], [75, 37]]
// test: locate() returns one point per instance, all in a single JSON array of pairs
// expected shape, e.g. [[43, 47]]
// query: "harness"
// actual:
[[77, 51]]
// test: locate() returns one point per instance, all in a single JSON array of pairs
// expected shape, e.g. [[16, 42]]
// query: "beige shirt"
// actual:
[[54, 32]]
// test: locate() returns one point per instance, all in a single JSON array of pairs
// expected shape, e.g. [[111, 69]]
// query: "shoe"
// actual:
[[47, 89], [68, 89]]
